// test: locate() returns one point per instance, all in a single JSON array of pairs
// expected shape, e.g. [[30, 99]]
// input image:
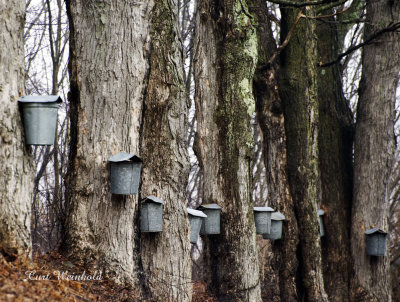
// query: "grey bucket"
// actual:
[[151, 214], [195, 219], [376, 242], [39, 116], [211, 224], [262, 218], [321, 222], [125, 173], [277, 219]]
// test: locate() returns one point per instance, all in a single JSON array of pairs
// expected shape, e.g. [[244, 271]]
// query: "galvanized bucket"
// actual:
[[262, 218], [277, 219], [211, 224], [151, 214], [39, 115], [125, 173], [376, 242], [195, 219], [321, 222]]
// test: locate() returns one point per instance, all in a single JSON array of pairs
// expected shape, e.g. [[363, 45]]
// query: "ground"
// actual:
[[15, 283]]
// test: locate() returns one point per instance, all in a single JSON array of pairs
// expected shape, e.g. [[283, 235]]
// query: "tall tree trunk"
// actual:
[[166, 255], [298, 90], [56, 57], [374, 149], [335, 142], [225, 59], [16, 166], [108, 73], [271, 120]]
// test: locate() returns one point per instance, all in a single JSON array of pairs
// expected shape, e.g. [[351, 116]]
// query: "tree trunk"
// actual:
[[225, 59], [17, 169], [271, 120], [335, 142], [166, 255], [298, 90], [374, 149], [108, 73]]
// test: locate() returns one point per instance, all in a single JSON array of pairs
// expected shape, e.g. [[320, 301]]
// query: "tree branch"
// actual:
[[391, 28], [283, 45], [309, 3], [245, 11], [332, 5]]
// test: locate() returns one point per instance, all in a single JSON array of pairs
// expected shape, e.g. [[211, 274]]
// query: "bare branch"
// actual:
[[391, 28], [283, 45], [309, 3]]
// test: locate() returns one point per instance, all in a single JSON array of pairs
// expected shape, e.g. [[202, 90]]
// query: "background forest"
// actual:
[[243, 103]]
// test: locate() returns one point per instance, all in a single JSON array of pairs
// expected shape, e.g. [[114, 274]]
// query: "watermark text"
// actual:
[[64, 275]]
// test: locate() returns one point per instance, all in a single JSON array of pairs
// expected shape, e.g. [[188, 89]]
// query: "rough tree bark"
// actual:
[[166, 255], [271, 121], [225, 56], [335, 142], [17, 169], [298, 91], [374, 149], [108, 73]]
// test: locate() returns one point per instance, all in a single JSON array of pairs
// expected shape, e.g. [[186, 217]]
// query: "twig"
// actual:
[[274, 19], [245, 11]]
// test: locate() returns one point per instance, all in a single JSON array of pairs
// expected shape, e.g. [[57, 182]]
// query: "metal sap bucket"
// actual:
[[277, 219], [125, 173], [195, 219], [151, 214], [321, 222], [262, 218], [211, 224], [39, 116], [376, 242]]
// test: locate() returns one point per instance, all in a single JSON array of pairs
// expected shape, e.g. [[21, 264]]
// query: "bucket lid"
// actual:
[[277, 216], [123, 156], [320, 212], [263, 209], [375, 230], [212, 206], [153, 198], [40, 99], [196, 213]]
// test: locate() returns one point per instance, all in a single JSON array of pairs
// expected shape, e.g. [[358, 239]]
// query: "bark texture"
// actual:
[[271, 120], [225, 56], [166, 255], [17, 169], [374, 149], [335, 142], [298, 90], [108, 65]]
